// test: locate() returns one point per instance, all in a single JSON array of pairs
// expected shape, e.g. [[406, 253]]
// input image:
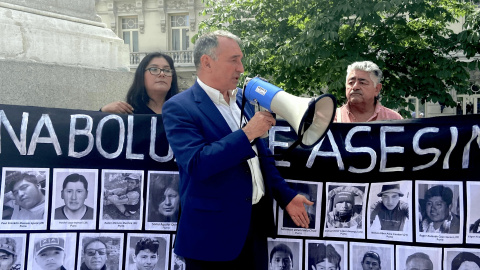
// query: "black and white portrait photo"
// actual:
[[326, 255], [418, 258], [440, 208], [100, 251], [285, 254], [12, 251], [163, 201], [74, 199], [51, 251], [473, 214], [312, 191], [345, 205], [389, 212], [25, 198], [122, 203], [365, 256], [147, 251], [462, 259]]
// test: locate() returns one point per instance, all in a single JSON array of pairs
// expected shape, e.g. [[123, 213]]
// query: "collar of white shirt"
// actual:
[[215, 95]]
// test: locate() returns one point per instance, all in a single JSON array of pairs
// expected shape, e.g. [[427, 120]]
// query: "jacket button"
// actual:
[[248, 199]]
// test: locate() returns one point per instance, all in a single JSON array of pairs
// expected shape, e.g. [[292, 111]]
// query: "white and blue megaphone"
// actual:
[[309, 117]]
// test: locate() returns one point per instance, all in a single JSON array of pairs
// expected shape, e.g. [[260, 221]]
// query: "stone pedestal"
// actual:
[[55, 43]]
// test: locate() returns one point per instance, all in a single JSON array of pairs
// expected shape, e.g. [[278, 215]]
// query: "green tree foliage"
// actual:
[[305, 46]]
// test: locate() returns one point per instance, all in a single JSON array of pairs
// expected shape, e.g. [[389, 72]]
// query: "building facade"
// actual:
[[168, 26], [156, 25]]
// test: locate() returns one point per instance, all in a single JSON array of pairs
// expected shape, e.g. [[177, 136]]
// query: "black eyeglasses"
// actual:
[[91, 251], [156, 71]]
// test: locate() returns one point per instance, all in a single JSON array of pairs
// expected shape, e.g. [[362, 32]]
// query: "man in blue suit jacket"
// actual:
[[227, 185]]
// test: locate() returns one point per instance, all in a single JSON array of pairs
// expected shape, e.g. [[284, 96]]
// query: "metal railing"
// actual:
[[179, 57]]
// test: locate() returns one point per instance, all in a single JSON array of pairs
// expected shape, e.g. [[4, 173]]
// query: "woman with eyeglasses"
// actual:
[[94, 255], [155, 81]]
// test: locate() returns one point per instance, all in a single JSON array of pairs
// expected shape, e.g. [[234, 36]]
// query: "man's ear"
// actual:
[[378, 88], [205, 61], [61, 194]]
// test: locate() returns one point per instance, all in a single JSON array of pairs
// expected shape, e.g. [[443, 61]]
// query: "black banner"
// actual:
[[398, 164]]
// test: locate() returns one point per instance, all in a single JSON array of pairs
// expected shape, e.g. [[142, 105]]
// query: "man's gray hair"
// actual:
[[375, 73], [208, 43]]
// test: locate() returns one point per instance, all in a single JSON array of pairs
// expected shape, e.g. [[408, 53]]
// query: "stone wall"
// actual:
[[57, 86], [55, 54]]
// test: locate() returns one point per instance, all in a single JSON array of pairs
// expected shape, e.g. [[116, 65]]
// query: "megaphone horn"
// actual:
[[309, 117]]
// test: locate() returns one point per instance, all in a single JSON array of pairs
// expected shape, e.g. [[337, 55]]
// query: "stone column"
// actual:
[[59, 54]]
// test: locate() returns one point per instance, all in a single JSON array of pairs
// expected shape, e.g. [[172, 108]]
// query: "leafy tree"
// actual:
[[305, 46]]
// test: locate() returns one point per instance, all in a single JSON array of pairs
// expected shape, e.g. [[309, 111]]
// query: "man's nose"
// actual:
[[356, 85], [240, 68]]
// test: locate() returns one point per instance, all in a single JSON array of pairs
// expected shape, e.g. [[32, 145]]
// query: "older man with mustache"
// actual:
[[362, 90]]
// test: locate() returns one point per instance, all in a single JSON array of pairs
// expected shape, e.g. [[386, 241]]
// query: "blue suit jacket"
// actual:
[[215, 179]]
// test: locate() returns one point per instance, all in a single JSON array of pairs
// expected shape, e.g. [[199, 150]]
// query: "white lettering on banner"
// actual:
[[384, 149], [21, 143], [87, 131], [466, 150], [47, 122], [368, 150], [121, 136], [419, 151], [272, 143], [335, 152], [453, 143], [153, 137], [129, 154]]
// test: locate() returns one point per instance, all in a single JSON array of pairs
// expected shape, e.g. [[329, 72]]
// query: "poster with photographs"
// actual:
[[100, 250], [473, 213], [74, 202], [461, 259], [163, 201], [176, 262], [12, 251], [326, 255], [421, 258], [122, 203], [285, 253], [313, 192], [345, 206], [147, 251], [439, 212], [369, 256], [24, 196], [52, 251], [389, 212]]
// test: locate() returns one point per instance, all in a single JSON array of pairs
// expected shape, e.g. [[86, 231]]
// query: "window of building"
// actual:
[[180, 32], [419, 108], [130, 32]]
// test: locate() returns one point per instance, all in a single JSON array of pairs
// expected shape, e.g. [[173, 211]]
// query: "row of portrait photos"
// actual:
[[155, 251], [432, 211]]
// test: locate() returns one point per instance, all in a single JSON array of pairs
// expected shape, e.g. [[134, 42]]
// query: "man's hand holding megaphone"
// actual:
[[260, 123]]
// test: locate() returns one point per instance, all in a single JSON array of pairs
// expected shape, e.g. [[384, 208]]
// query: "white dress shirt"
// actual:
[[231, 113]]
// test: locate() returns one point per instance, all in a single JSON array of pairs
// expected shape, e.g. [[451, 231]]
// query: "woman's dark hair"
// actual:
[[137, 94], [464, 257]]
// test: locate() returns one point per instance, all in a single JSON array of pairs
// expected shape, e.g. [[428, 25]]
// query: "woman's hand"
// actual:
[[117, 107]]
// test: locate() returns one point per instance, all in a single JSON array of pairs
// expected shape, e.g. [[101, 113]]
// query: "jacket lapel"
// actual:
[[206, 105]]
